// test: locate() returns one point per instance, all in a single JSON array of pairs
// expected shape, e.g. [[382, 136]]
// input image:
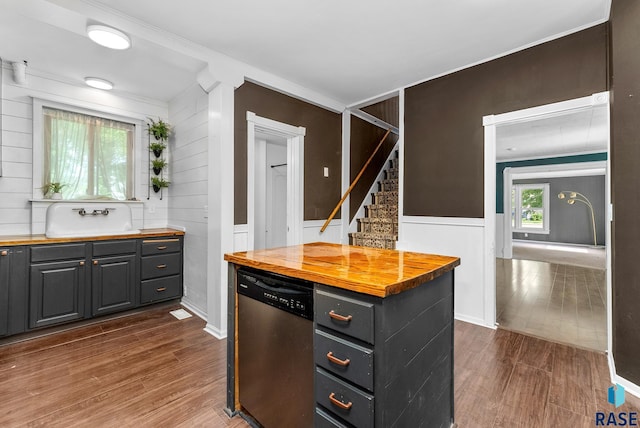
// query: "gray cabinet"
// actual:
[[57, 292], [384, 362], [160, 270], [113, 276], [5, 264]]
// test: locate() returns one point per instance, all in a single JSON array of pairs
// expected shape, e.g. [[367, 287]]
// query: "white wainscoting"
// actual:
[[460, 237], [310, 233]]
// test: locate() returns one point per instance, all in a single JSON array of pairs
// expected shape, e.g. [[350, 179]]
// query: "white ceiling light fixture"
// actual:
[[108, 37], [96, 82]]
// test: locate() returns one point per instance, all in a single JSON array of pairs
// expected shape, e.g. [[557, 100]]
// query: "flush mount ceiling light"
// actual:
[[109, 37], [96, 82]]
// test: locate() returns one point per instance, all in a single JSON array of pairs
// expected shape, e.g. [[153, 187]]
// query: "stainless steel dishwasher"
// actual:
[[275, 349]]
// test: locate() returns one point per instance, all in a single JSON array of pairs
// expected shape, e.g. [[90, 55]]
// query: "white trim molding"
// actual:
[[295, 174]]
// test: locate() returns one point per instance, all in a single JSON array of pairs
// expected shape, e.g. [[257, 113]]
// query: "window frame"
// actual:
[[517, 208], [38, 140]]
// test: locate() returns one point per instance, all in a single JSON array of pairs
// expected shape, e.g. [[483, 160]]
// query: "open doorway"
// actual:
[[275, 178], [552, 270]]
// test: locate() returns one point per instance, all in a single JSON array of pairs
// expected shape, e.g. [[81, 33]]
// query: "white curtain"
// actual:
[[91, 156]]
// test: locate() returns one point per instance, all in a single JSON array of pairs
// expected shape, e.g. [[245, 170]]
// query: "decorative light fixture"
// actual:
[[572, 197], [108, 37], [96, 82], [19, 72]]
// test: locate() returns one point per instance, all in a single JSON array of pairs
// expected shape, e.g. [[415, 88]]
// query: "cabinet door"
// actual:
[[113, 284], [4, 290], [57, 292]]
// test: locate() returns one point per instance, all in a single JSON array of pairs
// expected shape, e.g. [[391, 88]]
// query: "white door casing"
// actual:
[[295, 174]]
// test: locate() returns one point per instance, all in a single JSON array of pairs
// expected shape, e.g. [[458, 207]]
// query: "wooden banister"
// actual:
[[353, 184]]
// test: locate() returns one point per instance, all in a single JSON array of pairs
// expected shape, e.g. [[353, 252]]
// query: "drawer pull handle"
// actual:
[[81, 263], [95, 263], [4, 253], [162, 247], [161, 266], [339, 317], [338, 403], [161, 289], [338, 361]]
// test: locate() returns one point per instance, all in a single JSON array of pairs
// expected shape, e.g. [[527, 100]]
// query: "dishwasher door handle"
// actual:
[[282, 290]]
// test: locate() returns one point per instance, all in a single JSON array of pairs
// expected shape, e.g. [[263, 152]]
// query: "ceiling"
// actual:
[[346, 51], [575, 132]]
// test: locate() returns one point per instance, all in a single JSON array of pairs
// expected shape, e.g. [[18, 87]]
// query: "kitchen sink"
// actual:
[[85, 219]]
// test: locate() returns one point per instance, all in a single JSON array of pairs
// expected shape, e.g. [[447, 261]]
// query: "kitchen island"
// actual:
[[382, 333]]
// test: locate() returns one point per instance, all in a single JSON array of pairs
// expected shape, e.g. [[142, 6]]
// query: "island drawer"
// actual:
[[159, 246], [110, 248], [47, 253], [160, 289], [343, 400], [161, 265], [324, 420], [348, 316], [345, 359]]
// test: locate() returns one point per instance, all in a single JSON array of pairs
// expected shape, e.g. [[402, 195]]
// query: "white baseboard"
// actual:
[[628, 386], [197, 312], [215, 332], [472, 320]]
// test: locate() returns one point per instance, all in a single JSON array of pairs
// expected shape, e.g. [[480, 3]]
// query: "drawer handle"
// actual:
[[162, 247], [95, 263], [338, 361], [161, 289], [4, 253], [338, 403], [81, 263], [161, 266], [339, 317]]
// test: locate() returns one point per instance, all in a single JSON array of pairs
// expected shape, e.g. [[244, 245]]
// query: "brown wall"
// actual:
[[364, 139], [444, 137], [625, 154], [387, 110], [322, 147]]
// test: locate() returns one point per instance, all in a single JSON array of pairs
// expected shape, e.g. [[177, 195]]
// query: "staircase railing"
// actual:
[[355, 181]]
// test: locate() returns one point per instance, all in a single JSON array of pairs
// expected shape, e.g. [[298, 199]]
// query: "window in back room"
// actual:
[[530, 208], [91, 156]]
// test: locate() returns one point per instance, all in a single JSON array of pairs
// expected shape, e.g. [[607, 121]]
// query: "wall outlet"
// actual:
[[326, 171], [152, 208], [206, 211]]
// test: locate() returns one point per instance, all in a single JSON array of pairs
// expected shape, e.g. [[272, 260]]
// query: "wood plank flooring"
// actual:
[[152, 370], [557, 302]]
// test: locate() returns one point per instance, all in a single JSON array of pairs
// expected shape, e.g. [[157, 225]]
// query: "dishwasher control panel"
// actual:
[[288, 294]]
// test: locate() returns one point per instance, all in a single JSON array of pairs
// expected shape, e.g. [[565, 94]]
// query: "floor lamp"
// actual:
[[571, 198]]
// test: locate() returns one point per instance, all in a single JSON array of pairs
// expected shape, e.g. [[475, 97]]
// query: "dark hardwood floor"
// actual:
[[152, 370]]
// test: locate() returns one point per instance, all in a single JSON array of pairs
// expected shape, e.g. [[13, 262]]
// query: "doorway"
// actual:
[[553, 285], [275, 183]]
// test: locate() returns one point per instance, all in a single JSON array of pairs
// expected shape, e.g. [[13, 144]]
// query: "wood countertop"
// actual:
[[13, 240], [365, 270]]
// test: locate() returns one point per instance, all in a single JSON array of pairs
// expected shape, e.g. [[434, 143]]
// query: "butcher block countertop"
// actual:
[[371, 271], [12, 240]]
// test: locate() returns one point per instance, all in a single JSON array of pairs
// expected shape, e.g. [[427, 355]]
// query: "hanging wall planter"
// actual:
[[160, 129], [159, 183], [157, 165], [157, 148]]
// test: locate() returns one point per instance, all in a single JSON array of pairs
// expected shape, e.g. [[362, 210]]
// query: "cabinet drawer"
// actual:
[[324, 420], [161, 265], [346, 315], [46, 253], [161, 289], [110, 248], [345, 359], [159, 246], [344, 400]]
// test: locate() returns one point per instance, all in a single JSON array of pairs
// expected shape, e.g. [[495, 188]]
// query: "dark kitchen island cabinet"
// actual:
[[382, 332]]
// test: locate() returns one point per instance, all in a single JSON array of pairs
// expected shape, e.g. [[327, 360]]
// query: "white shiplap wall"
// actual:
[[16, 187], [189, 188]]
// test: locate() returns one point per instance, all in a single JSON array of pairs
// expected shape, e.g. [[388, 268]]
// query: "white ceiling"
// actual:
[[577, 132], [348, 51]]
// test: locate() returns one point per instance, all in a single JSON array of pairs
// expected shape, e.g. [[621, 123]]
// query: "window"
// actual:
[[530, 208], [91, 156]]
